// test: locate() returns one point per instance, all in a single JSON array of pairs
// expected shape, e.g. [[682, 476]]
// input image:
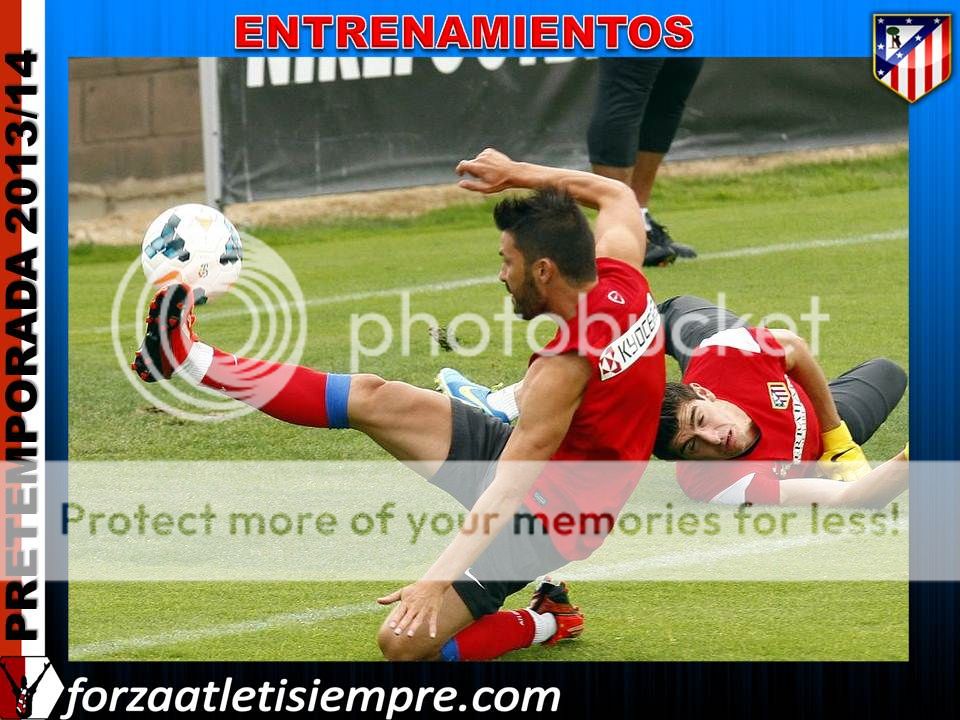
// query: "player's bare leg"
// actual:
[[623, 174], [413, 424], [642, 178], [643, 175]]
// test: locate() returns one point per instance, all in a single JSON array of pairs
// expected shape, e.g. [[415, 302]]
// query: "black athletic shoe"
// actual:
[[658, 235], [550, 597], [658, 255], [169, 334]]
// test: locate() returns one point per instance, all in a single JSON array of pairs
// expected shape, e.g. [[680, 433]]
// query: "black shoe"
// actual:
[[658, 235], [169, 334], [553, 598], [658, 255]]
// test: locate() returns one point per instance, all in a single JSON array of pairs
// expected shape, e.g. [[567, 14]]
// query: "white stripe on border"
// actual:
[[448, 285], [32, 36]]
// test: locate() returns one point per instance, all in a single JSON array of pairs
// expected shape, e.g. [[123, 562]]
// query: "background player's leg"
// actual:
[[667, 99], [644, 174], [661, 119], [454, 617], [623, 89], [689, 320], [866, 395]]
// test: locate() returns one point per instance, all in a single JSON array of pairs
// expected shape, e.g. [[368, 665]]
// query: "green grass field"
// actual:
[[769, 242]]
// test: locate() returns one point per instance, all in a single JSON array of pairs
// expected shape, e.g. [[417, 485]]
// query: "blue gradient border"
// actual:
[[787, 28]]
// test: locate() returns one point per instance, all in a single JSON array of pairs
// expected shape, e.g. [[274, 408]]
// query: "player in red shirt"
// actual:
[[757, 396], [609, 345]]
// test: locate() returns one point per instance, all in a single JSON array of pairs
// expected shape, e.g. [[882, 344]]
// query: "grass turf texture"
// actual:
[[863, 286]]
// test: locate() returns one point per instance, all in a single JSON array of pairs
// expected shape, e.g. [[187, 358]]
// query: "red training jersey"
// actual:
[[618, 329], [747, 367]]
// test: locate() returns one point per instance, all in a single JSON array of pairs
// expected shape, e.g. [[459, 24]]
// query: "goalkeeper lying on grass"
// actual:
[[759, 397]]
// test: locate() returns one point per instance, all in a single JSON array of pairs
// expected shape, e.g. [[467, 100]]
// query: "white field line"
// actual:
[[212, 632], [755, 251], [617, 571], [625, 569]]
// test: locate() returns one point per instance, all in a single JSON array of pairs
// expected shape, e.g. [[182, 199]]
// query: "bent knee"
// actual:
[[365, 384], [387, 641], [892, 380], [400, 648], [890, 369], [363, 392]]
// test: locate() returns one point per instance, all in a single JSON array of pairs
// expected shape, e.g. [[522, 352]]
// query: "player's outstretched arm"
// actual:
[[875, 489], [619, 227], [557, 385], [842, 457]]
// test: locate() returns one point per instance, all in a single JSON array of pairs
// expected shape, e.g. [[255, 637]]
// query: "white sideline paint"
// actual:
[[342, 611], [697, 556], [615, 570], [211, 632], [810, 244], [878, 237]]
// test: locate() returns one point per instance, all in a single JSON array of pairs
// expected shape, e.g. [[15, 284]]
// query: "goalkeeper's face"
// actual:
[[712, 429]]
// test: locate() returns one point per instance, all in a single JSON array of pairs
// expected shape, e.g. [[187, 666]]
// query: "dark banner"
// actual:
[[304, 126]]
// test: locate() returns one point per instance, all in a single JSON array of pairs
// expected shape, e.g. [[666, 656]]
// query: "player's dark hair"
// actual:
[[550, 224], [675, 396]]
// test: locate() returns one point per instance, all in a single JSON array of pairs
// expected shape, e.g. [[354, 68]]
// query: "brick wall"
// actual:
[[134, 117]]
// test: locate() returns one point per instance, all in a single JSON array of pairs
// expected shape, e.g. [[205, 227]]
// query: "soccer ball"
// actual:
[[192, 244]]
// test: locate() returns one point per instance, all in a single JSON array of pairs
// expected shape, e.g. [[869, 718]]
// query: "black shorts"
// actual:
[[512, 560], [638, 106], [688, 320]]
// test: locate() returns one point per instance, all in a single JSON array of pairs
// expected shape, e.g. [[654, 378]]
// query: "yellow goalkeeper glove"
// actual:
[[842, 458]]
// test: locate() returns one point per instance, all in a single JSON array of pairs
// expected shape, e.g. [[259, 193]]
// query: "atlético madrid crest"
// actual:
[[911, 52]]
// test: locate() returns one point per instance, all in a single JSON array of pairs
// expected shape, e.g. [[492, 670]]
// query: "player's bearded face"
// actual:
[[528, 301]]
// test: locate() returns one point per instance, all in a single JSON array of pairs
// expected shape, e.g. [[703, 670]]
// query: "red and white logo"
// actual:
[[911, 52], [779, 395], [29, 688], [629, 347], [609, 366]]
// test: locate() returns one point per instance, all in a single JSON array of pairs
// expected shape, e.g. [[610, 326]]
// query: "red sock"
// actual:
[[291, 393], [491, 636]]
